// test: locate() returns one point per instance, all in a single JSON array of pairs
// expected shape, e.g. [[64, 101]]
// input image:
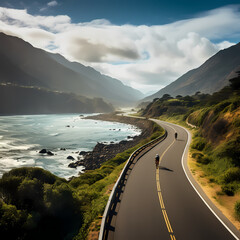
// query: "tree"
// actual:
[[197, 93], [30, 194], [166, 97], [11, 221], [179, 96], [235, 82]]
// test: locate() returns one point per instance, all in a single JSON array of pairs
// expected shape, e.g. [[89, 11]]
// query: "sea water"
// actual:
[[23, 136]]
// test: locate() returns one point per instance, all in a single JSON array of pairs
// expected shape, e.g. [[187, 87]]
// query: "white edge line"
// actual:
[[183, 166]]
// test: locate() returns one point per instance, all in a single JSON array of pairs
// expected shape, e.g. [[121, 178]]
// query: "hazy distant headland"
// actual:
[[16, 99]]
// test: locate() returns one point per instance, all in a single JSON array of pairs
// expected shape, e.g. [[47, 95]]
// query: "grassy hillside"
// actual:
[[35, 204], [216, 141]]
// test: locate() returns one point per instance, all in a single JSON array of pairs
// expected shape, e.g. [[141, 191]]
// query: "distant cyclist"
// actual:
[[157, 160], [176, 135]]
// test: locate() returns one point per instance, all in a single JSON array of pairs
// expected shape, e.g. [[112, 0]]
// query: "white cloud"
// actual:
[[145, 57], [49, 5], [52, 4]]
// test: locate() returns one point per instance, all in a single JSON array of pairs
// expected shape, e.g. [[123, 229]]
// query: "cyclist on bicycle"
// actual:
[[176, 135], [157, 160]]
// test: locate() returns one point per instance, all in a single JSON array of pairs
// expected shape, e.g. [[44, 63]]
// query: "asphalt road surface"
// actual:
[[161, 203]]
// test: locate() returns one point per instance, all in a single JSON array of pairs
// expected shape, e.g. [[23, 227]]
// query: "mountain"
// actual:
[[109, 88], [22, 64], [16, 99], [210, 77]]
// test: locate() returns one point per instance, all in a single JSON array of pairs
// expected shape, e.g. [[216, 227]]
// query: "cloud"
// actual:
[[82, 49], [52, 4], [144, 57], [49, 5]]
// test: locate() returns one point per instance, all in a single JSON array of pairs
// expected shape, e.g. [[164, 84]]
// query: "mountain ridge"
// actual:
[[38, 68], [94, 74], [210, 77]]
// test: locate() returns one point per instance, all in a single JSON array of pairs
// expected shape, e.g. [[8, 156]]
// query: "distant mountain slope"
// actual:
[[22, 64], [210, 77], [16, 99], [108, 87]]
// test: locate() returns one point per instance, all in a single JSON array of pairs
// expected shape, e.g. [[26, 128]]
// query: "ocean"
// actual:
[[23, 136]]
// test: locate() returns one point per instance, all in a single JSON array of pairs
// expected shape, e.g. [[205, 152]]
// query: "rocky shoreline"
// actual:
[[103, 152]]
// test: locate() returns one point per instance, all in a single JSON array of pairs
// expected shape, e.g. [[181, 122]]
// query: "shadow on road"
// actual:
[[180, 140], [166, 169]]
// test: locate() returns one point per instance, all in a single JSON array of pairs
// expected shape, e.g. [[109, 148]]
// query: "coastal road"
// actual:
[[162, 204]]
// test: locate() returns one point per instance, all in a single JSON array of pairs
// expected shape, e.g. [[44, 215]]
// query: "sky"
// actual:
[[145, 44]]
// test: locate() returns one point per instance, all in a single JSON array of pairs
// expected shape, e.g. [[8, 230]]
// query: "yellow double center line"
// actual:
[[161, 199]]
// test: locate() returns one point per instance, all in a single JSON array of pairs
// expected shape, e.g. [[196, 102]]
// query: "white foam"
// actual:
[[5, 145], [20, 150], [54, 134], [7, 163]]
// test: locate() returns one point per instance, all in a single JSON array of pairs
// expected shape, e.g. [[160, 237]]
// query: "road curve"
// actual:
[[162, 204]]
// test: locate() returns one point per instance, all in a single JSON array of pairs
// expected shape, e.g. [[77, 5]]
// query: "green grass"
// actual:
[[199, 143], [197, 117], [237, 210]]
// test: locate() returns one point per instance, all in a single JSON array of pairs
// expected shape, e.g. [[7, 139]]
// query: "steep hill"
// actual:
[[16, 99], [109, 88], [210, 77], [22, 64]]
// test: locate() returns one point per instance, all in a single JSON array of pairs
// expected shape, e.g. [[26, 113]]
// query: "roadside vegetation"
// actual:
[[35, 204], [216, 139]]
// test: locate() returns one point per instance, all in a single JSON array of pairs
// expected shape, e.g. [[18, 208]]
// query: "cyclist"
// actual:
[[176, 135], [157, 160]]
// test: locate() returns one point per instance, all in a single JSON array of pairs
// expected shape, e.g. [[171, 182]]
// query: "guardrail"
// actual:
[[117, 187]]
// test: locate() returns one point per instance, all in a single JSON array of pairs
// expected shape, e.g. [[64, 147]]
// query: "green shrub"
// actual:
[[9, 188], [221, 106], [231, 149], [237, 210], [89, 178], [236, 123], [197, 155], [231, 175], [235, 104], [201, 158], [203, 115], [228, 189], [30, 194], [204, 160], [31, 173], [199, 143], [12, 221], [106, 169], [212, 180]]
